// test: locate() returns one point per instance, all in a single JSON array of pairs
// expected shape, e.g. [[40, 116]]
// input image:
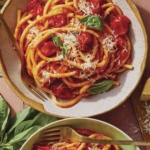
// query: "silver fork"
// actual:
[[26, 79], [65, 133]]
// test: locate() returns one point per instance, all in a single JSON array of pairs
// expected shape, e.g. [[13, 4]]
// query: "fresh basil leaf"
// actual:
[[100, 87], [7, 147], [25, 114], [56, 40], [41, 119], [94, 22], [23, 135], [64, 51], [5, 139], [5, 117]]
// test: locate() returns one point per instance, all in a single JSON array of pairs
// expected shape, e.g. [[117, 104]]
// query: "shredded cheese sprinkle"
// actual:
[[45, 74], [85, 7], [37, 36], [110, 43], [69, 39]]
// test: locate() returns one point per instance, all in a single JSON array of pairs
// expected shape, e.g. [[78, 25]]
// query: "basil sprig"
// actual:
[[100, 87], [57, 42], [15, 131], [94, 22]]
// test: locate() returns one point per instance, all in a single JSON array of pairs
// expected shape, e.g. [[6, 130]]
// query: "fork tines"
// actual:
[[50, 136], [38, 92]]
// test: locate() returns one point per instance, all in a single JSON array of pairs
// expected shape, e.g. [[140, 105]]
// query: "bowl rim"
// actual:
[[55, 123], [39, 106]]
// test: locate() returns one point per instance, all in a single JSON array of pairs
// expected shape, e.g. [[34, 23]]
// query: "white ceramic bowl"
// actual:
[[87, 107], [85, 123]]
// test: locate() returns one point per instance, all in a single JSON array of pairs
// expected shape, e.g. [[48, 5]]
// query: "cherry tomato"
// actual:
[[48, 48], [58, 20], [120, 24], [61, 90], [120, 42], [85, 40], [84, 132], [35, 8], [95, 6], [32, 4]]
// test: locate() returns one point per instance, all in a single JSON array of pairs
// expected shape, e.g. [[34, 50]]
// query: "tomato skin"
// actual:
[[120, 24], [58, 20], [85, 40], [35, 8], [61, 90], [120, 42], [48, 48], [32, 4], [95, 6]]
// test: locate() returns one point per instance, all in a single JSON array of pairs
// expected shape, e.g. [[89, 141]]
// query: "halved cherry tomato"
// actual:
[[61, 90], [58, 20], [95, 6], [120, 24], [48, 48], [35, 8], [85, 39]]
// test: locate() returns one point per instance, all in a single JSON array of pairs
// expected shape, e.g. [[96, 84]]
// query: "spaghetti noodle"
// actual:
[[74, 48], [68, 145]]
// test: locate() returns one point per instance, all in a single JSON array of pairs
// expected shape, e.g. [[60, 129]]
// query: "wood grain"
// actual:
[[142, 108]]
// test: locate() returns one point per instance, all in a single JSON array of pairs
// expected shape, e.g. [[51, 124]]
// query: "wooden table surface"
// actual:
[[124, 116]]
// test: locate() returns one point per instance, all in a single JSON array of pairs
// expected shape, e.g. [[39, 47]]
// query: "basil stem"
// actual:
[[94, 22], [64, 51], [100, 87], [56, 40]]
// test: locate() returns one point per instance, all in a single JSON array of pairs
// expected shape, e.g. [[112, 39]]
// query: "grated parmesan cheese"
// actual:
[[36, 33], [85, 7], [70, 42], [94, 146], [69, 39], [88, 64], [45, 74], [59, 56], [110, 43], [75, 23]]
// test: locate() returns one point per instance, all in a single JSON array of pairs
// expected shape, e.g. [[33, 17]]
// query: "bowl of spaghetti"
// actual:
[[84, 53], [83, 126]]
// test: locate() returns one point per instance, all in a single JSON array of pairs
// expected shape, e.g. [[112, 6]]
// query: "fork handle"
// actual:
[[115, 142]]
